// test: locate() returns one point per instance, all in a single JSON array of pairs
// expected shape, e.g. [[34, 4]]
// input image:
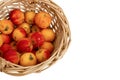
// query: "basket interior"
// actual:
[[37, 7]]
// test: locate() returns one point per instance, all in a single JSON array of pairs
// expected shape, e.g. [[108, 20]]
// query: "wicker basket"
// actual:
[[59, 25]]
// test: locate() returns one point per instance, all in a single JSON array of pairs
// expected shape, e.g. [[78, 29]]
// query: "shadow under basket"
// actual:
[[59, 25]]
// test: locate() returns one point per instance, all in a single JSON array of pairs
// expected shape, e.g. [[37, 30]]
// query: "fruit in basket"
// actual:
[[43, 19], [24, 45], [1, 41], [35, 28], [4, 48], [6, 38], [37, 39], [26, 27], [12, 56], [28, 59], [17, 16], [42, 55], [18, 34], [29, 17], [48, 34], [48, 45], [6, 26]]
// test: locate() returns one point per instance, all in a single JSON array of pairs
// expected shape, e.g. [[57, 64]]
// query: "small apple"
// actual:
[[29, 17], [42, 55], [28, 59], [43, 19], [48, 45], [12, 56], [6, 26], [26, 27], [4, 48], [18, 34], [17, 16], [48, 34], [37, 39], [24, 45], [6, 38]]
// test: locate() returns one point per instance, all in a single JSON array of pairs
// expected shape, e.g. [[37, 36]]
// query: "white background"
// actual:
[[94, 53]]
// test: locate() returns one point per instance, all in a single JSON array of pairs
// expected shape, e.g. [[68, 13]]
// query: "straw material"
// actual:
[[59, 25]]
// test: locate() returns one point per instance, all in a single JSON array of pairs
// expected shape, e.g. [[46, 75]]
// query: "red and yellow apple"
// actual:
[[48, 34], [48, 45], [29, 17], [12, 56], [1, 41], [6, 38], [17, 16], [42, 55], [35, 29], [24, 45], [28, 59], [6, 26], [18, 34], [26, 27], [43, 19], [37, 39]]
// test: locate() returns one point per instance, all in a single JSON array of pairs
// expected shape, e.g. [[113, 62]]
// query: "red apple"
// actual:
[[24, 45], [42, 55], [37, 39], [4, 48], [12, 56], [18, 34], [17, 16]]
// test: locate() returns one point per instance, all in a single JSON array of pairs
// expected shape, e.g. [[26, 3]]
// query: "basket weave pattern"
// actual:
[[59, 25]]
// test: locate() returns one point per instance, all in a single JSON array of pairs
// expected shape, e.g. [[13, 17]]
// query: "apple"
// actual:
[[28, 59], [42, 55], [6, 26], [26, 27], [4, 48], [12, 56], [47, 45], [24, 45], [29, 17], [37, 39], [48, 34], [17, 16], [18, 34], [43, 19], [6, 38]]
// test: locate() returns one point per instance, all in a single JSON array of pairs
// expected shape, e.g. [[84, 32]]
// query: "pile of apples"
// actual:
[[26, 38]]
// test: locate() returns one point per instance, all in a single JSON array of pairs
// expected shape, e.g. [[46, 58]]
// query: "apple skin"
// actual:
[[48, 34], [12, 56], [4, 48], [42, 55], [37, 39], [18, 34], [48, 45], [1, 41], [29, 17], [6, 38], [17, 16], [24, 45]]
